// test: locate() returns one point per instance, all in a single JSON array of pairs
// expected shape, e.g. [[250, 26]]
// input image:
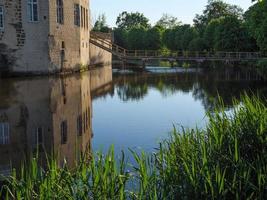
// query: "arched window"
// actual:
[[60, 12]]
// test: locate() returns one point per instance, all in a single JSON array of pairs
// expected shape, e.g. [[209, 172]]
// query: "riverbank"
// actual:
[[225, 160]]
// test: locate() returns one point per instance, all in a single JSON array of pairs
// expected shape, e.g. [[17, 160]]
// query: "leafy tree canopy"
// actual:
[[131, 20], [167, 22], [101, 24], [216, 9]]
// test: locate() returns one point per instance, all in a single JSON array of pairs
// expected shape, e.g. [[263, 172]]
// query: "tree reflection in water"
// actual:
[[205, 84]]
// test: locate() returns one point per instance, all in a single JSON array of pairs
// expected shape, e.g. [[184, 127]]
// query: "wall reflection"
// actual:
[[51, 115]]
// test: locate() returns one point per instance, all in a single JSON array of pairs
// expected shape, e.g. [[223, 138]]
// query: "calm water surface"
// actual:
[[78, 114], [139, 110]]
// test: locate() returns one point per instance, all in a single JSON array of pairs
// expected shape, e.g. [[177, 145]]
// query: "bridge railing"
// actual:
[[192, 54], [104, 41]]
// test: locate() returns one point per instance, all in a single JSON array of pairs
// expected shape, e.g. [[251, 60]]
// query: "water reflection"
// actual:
[[205, 84], [45, 114], [54, 115], [139, 110]]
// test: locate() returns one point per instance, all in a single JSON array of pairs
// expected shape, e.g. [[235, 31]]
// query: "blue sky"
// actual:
[[184, 10]]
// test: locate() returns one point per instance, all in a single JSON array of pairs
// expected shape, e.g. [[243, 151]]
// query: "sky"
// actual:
[[184, 10]]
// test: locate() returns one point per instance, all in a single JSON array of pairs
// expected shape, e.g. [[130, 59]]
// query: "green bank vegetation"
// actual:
[[221, 27], [226, 160]]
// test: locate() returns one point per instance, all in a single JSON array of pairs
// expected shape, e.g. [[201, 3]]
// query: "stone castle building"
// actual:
[[42, 37]]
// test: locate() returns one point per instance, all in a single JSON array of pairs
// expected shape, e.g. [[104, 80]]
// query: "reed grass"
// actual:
[[226, 160]]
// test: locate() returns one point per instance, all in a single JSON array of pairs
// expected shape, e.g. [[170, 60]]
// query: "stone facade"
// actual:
[[35, 41]]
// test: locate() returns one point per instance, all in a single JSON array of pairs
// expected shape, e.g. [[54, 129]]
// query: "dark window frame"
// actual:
[[77, 15], [33, 10], [64, 132], [60, 11], [79, 125], [2, 17], [4, 133], [39, 136]]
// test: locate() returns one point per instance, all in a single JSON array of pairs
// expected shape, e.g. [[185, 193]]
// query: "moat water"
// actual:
[[79, 114]]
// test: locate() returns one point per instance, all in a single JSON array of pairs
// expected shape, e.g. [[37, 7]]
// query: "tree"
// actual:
[[153, 38], [121, 37], [131, 20], [136, 38], [189, 34], [101, 24], [168, 22], [209, 34], [256, 22], [168, 38], [214, 10], [197, 44], [230, 35]]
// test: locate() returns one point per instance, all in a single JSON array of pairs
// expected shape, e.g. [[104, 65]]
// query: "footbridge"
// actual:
[[104, 41]]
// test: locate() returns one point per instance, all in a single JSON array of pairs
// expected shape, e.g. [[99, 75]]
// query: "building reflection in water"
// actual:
[[52, 115]]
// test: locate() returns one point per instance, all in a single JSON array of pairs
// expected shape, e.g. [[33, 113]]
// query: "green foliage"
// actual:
[[209, 34], [136, 38], [197, 44], [101, 24], [153, 38], [132, 20], [256, 21], [221, 27], [121, 37], [226, 160], [168, 22], [214, 10], [227, 34]]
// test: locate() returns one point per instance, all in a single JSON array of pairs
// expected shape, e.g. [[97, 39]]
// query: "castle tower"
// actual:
[[42, 37]]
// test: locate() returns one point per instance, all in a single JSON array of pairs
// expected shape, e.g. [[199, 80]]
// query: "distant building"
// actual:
[[41, 36]]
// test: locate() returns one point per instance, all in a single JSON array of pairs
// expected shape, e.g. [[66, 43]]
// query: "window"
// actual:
[[4, 133], [86, 118], [5, 170], [32, 10], [79, 125], [87, 22], [84, 122], [64, 132], [89, 117], [1, 17], [60, 12], [39, 136], [76, 14], [81, 16]]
